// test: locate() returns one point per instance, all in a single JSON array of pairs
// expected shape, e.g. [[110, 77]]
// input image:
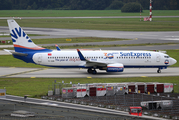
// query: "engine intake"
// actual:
[[115, 67]]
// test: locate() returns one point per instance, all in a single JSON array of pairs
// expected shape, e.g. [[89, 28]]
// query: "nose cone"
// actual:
[[174, 61]]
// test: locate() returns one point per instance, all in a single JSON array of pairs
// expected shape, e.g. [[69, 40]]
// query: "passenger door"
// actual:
[[158, 58]]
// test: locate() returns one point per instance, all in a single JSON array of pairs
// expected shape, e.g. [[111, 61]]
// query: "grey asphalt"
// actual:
[[135, 37], [9, 72], [85, 17], [54, 32], [49, 112]]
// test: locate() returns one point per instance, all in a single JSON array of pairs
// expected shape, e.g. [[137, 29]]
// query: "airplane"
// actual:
[[110, 61]]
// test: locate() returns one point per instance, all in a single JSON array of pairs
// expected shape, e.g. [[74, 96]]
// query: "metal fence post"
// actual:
[[115, 99], [133, 99], [124, 100]]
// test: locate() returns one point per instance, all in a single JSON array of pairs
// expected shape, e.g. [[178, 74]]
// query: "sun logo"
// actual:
[[18, 33]]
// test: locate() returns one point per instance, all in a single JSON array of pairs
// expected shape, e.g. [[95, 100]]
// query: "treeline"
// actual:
[[84, 4]]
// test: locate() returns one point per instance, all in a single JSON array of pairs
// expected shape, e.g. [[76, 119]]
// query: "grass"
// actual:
[[36, 87], [9, 61], [28, 34], [81, 13], [89, 46], [174, 54], [116, 24], [101, 46], [73, 40]]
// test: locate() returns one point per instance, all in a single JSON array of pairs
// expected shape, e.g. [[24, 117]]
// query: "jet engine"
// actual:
[[117, 67]]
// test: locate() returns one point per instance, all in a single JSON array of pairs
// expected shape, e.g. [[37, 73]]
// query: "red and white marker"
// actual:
[[140, 12], [150, 10]]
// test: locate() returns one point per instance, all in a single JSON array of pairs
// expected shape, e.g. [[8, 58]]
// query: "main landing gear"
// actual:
[[92, 71], [159, 70]]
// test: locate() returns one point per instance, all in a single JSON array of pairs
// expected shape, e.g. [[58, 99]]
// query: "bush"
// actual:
[[131, 7], [116, 5]]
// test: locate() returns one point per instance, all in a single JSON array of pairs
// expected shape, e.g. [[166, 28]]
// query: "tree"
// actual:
[[5, 5], [116, 5], [28, 7], [131, 7], [173, 4], [34, 6], [86, 4]]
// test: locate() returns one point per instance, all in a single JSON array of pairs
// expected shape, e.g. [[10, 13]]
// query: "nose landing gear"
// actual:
[[159, 70]]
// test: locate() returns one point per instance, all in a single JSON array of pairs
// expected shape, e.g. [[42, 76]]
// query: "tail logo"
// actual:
[[18, 34]]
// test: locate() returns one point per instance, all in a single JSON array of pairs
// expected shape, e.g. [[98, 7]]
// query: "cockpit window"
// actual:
[[166, 56]]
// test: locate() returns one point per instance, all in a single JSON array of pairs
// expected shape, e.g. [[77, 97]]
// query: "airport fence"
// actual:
[[123, 102]]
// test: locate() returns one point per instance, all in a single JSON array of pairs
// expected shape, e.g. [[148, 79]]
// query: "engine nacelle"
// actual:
[[115, 67]]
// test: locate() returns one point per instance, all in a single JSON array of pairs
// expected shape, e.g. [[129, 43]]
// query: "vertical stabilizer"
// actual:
[[21, 41]]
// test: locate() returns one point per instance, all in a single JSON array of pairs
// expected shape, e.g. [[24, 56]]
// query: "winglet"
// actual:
[[82, 58], [57, 48]]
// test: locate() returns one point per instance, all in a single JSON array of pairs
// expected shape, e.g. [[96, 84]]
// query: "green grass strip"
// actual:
[[81, 13], [116, 24], [101, 46], [73, 40], [37, 87]]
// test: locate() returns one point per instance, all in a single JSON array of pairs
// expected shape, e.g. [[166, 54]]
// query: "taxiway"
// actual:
[[82, 73]]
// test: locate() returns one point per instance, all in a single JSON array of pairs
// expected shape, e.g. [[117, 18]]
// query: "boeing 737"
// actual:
[[110, 61]]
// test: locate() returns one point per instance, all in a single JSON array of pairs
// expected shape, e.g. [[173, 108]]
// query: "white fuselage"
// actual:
[[70, 59]]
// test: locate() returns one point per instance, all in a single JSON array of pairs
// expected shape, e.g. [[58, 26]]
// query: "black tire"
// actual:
[[94, 71], [90, 71], [159, 71]]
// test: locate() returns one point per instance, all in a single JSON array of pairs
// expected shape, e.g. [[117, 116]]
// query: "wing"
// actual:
[[90, 62]]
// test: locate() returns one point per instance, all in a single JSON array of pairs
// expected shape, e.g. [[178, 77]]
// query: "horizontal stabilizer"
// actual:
[[15, 53]]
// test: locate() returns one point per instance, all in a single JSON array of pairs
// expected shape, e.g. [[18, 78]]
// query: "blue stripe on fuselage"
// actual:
[[28, 58]]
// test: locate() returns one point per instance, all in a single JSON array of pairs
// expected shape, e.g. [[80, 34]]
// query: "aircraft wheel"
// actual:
[[94, 72], [90, 70], [158, 71]]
